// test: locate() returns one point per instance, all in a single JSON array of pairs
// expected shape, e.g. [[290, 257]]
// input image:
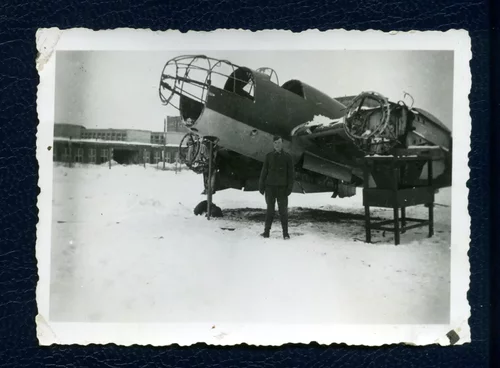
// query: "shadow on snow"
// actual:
[[295, 215]]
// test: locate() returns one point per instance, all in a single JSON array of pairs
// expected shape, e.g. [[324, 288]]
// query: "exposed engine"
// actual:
[[376, 125]]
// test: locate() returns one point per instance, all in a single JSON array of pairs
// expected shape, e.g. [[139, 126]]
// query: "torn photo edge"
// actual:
[[457, 332]]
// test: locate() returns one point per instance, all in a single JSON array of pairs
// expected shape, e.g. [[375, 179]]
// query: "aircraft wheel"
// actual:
[[193, 145]]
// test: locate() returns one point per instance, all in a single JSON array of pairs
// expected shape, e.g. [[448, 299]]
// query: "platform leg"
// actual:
[[431, 220], [403, 219], [396, 225], [367, 225]]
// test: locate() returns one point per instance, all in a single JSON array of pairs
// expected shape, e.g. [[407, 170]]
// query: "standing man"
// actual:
[[276, 182]]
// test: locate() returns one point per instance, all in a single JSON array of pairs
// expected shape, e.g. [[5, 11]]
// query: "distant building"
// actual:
[[124, 135], [68, 130], [75, 143], [174, 124], [157, 138], [175, 131]]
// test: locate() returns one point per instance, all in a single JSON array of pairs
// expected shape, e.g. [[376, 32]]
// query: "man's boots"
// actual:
[[284, 226]]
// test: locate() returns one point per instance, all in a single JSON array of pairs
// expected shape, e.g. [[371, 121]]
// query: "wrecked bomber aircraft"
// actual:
[[239, 110]]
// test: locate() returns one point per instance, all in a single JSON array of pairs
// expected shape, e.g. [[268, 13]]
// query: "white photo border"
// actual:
[[51, 40]]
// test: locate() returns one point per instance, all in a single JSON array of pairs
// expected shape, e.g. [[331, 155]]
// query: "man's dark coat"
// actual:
[[277, 171]]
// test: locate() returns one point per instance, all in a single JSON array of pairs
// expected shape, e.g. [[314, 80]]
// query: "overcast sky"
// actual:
[[120, 89]]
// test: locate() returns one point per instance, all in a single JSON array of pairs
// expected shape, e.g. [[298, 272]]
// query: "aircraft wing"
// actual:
[[320, 126], [329, 151], [370, 125]]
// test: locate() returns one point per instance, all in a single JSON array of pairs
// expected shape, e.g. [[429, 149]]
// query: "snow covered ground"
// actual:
[[127, 248]]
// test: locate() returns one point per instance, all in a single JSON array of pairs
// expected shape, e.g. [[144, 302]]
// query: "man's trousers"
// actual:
[[277, 194]]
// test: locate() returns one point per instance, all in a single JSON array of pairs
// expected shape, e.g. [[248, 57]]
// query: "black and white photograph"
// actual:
[[263, 188]]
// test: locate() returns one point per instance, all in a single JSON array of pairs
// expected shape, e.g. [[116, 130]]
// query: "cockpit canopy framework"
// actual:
[[186, 81]]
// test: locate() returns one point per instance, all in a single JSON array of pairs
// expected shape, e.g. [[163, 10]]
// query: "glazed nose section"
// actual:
[[184, 85], [168, 82]]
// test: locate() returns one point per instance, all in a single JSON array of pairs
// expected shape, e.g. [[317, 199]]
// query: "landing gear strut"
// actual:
[[211, 173], [209, 184], [200, 158]]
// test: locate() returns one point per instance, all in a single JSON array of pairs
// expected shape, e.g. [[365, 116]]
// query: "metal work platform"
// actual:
[[393, 187]]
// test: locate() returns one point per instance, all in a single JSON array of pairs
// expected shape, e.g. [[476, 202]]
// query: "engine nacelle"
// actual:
[[376, 125]]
